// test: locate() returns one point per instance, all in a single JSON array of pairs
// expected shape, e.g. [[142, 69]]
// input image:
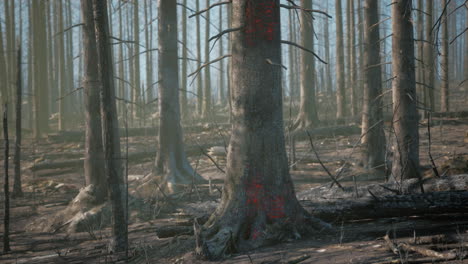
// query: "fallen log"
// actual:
[[132, 157], [391, 206], [459, 114]]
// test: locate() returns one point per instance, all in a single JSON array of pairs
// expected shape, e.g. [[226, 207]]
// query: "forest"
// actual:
[[234, 131]]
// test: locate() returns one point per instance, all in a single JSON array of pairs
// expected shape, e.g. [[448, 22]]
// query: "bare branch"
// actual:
[[210, 7], [68, 28], [220, 34], [296, 7], [305, 49], [208, 63]]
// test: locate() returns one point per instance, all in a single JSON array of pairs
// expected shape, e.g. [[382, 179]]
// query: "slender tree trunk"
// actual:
[[229, 63], [221, 95], [94, 153], [258, 203], [17, 191], [110, 128], [429, 56], [71, 99], [340, 72], [373, 136], [420, 48], [10, 25], [405, 115], [136, 64], [360, 74], [291, 56], [183, 97], [3, 73], [465, 77], [171, 166], [62, 68], [444, 61], [352, 69], [6, 188], [199, 76], [121, 105], [328, 73], [207, 108], [308, 110]]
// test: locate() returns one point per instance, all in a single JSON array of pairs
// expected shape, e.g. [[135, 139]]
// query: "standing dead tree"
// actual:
[[17, 191], [6, 189]]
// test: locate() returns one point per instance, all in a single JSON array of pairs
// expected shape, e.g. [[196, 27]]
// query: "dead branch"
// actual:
[[197, 71], [69, 93], [303, 48], [210, 7], [226, 31], [296, 7], [68, 28]]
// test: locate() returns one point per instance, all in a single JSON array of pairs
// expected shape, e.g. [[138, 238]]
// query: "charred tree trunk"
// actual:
[[17, 191], [6, 188], [94, 153], [340, 72], [207, 109], [405, 115], [444, 61], [258, 204], [429, 58], [110, 128], [171, 166], [308, 110], [373, 138]]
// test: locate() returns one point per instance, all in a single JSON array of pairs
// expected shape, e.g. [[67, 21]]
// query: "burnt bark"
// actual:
[[94, 153], [373, 136], [110, 132], [405, 115], [171, 165], [17, 191], [258, 203], [444, 61], [6, 189]]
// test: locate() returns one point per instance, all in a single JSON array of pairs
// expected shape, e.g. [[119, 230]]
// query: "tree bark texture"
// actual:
[[444, 60], [339, 67], [17, 191]]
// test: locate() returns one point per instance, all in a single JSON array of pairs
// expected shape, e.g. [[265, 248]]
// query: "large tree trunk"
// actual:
[[110, 131], [171, 162], [258, 204], [94, 153], [373, 136], [429, 58], [340, 73], [444, 61], [17, 191], [199, 76], [207, 110], [405, 115], [308, 110]]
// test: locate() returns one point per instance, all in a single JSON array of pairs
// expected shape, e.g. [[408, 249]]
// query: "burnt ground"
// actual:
[[163, 234]]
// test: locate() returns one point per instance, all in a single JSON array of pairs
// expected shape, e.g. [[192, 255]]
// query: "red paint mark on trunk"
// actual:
[[262, 18]]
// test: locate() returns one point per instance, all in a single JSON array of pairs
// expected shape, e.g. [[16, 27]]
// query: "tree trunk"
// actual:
[[61, 68], [307, 117], [184, 86], [199, 76], [258, 204], [444, 61], [405, 115], [3, 73], [420, 48], [6, 188], [373, 136], [207, 109], [94, 153], [465, 76], [70, 99], [429, 58], [136, 63], [340, 72], [221, 96], [110, 131], [41, 108], [328, 73], [17, 191], [353, 67], [121, 83], [171, 166]]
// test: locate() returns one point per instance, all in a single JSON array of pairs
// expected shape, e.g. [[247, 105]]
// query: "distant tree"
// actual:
[[259, 204], [136, 62], [207, 109], [373, 136], [17, 191], [405, 116], [183, 85], [429, 56], [199, 76], [307, 116], [465, 77], [171, 165], [340, 72]]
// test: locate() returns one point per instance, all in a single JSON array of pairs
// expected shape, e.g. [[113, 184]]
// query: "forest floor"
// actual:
[[164, 234]]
